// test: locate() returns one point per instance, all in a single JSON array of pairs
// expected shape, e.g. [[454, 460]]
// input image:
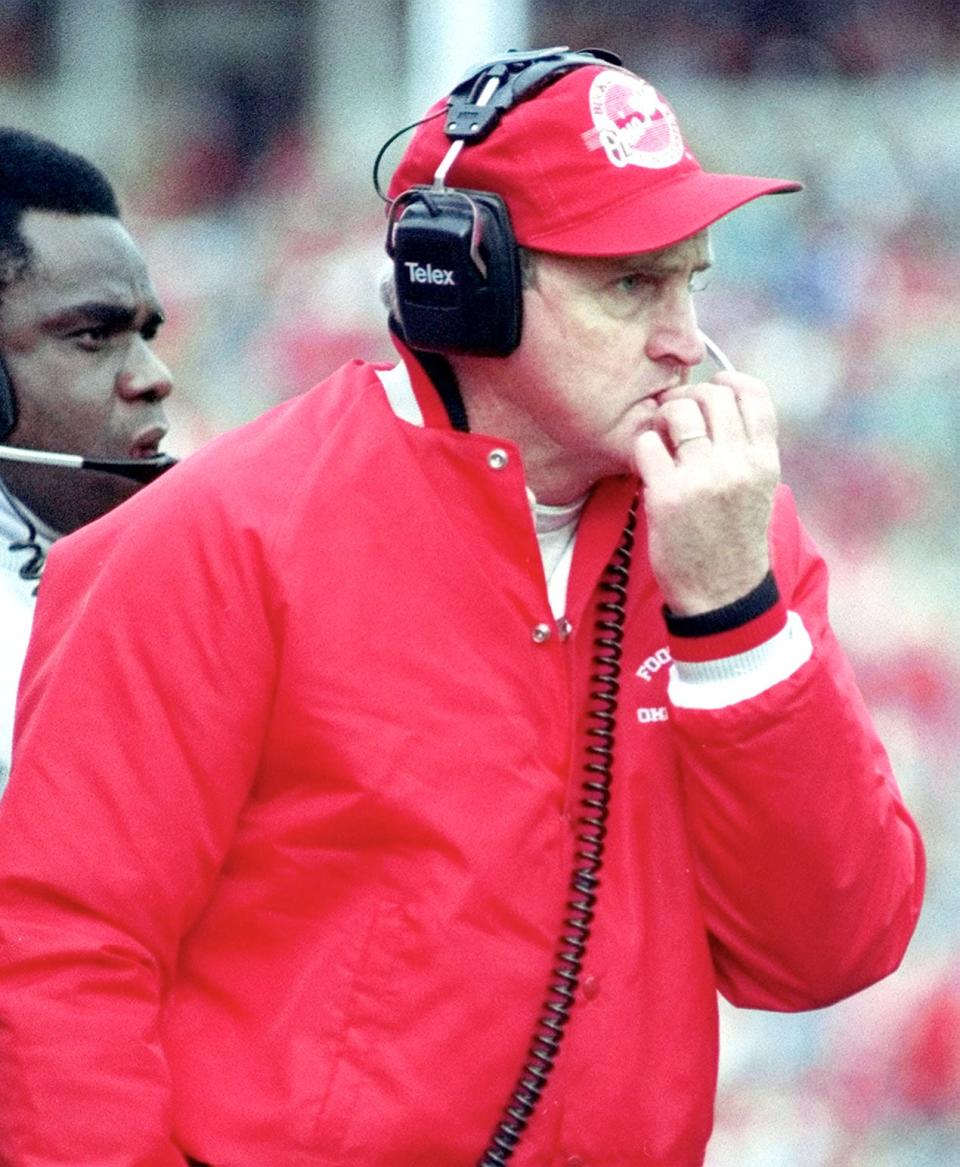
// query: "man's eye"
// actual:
[[700, 280], [634, 281], [92, 336]]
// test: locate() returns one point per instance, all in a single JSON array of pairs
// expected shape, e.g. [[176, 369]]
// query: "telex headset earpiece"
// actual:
[[456, 264], [8, 403]]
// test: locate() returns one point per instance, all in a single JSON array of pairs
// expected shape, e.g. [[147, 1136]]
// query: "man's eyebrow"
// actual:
[[93, 312], [101, 314], [665, 264]]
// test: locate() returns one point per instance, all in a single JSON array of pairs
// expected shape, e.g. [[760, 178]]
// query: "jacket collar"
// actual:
[[415, 398], [434, 387]]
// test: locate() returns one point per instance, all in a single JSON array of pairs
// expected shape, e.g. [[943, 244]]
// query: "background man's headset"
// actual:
[[456, 265], [139, 469]]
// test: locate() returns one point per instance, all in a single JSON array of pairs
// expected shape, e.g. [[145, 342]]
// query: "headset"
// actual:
[[455, 258], [142, 470]]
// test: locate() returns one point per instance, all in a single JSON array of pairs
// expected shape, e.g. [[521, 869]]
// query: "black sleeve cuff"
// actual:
[[763, 597]]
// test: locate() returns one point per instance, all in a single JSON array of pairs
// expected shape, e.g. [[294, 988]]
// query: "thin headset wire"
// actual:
[[389, 142], [32, 569]]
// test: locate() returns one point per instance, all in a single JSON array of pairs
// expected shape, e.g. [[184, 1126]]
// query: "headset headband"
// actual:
[[519, 75]]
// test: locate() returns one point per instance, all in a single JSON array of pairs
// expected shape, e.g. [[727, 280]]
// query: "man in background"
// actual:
[[77, 374]]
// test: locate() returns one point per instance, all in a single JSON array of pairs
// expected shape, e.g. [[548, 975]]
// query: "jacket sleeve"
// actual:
[[810, 867], [146, 688]]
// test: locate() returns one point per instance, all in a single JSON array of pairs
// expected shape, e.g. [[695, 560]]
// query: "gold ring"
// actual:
[[689, 438]]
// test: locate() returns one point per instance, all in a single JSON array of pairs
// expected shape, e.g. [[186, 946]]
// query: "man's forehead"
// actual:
[[84, 257], [61, 242], [696, 250], [690, 255]]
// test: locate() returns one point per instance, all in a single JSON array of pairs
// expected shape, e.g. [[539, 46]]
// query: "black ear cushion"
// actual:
[[456, 264], [456, 272], [8, 404]]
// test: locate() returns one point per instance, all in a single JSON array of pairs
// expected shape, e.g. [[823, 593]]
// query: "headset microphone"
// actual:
[[139, 469]]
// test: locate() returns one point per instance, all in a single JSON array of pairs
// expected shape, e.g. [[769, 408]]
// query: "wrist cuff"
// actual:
[[738, 627]]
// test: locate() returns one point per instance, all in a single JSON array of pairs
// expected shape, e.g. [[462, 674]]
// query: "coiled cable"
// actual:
[[588, 858]]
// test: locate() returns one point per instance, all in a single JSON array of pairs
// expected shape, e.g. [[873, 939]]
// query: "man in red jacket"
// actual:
[[486, 723]]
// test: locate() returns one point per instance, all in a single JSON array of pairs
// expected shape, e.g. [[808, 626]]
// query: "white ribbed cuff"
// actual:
[[715, 684]]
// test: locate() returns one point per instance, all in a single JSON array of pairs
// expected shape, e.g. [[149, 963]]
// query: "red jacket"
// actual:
[[284, 859]]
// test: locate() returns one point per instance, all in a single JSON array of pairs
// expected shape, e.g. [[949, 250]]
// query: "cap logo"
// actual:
[[632, 123]]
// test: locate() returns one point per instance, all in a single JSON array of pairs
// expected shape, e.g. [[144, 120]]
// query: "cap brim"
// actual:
[[663, 215]]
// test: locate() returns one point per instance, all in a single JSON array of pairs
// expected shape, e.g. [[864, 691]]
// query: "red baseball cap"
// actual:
[[595, 164]]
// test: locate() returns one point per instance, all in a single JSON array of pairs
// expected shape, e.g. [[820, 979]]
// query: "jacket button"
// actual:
[[591, 987], [565, 628], [497, 459], [541, 633], [575, 1161]]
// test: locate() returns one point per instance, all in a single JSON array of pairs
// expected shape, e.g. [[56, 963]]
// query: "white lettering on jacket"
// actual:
[[652, 713], [654, 663], [428, 275]]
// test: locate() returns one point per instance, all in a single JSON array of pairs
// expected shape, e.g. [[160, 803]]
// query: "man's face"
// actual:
[[602, 338], [75, 329]]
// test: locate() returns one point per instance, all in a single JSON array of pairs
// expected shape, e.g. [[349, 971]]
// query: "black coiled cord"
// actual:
[[585, 880]]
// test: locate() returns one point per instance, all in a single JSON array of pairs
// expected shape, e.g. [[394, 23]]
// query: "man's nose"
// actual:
[[145, 376], [674, 335]]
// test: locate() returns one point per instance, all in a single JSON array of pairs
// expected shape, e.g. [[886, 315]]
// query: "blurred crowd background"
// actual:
[[241, 135]]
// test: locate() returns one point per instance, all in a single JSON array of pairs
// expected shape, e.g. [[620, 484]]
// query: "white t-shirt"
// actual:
[[556, 528], [17, 599]]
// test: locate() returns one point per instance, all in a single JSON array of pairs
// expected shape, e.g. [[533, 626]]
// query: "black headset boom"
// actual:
[[141, 470], [455, 260]]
